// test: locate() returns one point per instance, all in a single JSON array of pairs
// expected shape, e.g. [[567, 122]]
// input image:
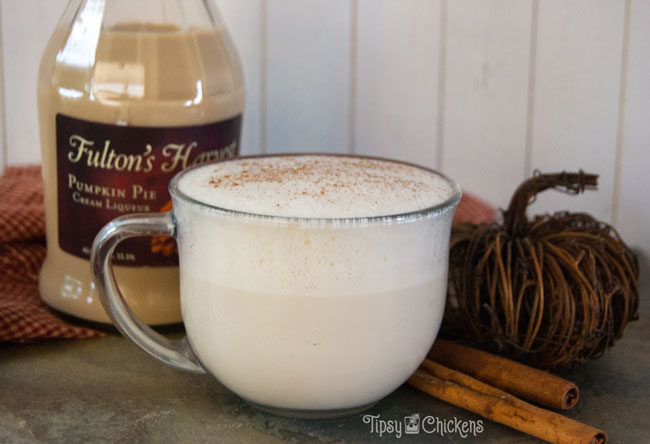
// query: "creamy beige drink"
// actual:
[[296, 293], [140, 75]]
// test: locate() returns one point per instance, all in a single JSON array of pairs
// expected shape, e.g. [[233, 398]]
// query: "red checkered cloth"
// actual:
[[23, 316], [474, 210]]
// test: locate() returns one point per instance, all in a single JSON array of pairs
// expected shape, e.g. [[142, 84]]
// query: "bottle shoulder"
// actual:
[[127, 66]]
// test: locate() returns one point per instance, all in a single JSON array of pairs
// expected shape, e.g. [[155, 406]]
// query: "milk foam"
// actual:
[[316, 186]]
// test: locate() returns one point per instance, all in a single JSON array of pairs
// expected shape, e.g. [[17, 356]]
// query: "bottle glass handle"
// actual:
[[175, 353]]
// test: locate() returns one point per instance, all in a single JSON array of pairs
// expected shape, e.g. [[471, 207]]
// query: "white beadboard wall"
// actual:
[[486, 91]]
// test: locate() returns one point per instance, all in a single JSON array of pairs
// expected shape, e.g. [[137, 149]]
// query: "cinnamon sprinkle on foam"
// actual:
[[316, 186]]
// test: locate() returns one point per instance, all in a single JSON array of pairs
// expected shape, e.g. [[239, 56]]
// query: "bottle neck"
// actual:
[[116, 14]]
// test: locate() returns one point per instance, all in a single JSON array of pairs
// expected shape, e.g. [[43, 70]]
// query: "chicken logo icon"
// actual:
[[412, 424]]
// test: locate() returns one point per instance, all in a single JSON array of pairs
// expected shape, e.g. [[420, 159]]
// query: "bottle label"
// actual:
[[106, 171]]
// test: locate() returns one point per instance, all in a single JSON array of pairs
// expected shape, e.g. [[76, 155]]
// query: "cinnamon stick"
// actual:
[[526, 382], [498, 406]]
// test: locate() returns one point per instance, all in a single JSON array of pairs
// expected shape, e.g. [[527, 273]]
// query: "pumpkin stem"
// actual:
[[514, 218]]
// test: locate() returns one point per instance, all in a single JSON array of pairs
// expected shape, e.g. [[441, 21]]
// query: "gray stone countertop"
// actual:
[[108, 390]]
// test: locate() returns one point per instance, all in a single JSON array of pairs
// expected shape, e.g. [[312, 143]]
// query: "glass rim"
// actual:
[[450, 202]]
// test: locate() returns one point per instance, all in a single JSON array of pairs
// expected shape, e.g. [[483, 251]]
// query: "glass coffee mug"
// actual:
[[299, 316]]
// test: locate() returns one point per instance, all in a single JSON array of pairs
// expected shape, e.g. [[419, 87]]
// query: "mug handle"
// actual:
[[178, 354]]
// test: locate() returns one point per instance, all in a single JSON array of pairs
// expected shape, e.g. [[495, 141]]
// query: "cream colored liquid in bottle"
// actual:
[[129, 93]]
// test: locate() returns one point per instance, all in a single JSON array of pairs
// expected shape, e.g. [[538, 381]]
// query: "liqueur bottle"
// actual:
[[129, 93]]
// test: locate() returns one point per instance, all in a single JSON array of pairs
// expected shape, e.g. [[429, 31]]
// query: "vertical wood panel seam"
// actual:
[[530, 106], [442, 69], [622, 95], [263, 76], [4, 150], [352, 84]]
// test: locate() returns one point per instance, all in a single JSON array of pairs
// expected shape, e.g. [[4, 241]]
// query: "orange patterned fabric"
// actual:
[[474, 210], [23, 316]]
